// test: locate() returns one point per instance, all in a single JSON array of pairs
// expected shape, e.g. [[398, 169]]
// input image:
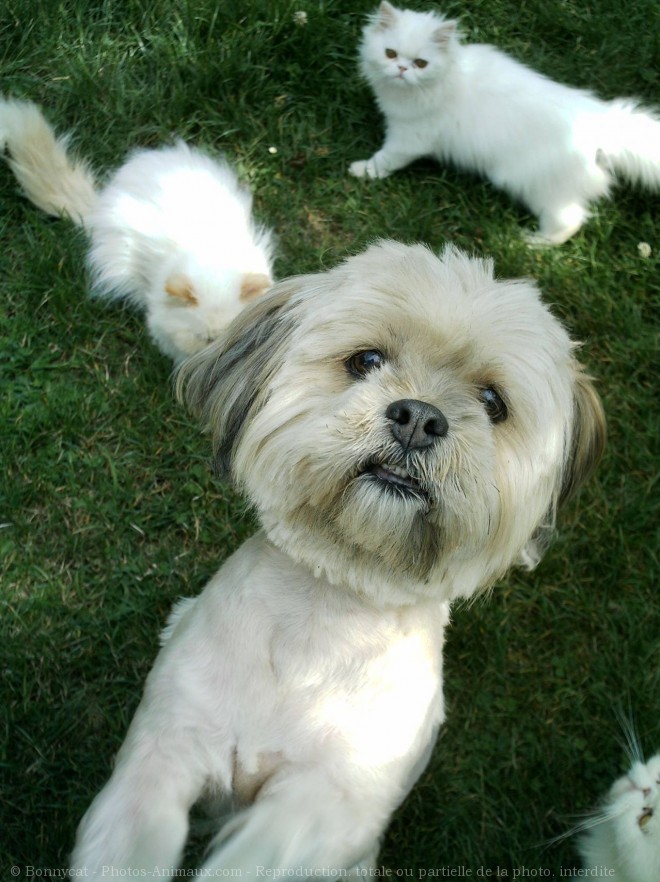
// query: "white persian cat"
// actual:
[[624, 836], [172, 231], [553, 147]]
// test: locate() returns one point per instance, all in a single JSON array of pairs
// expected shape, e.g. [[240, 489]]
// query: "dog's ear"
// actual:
[[586, 446], [588, 436], [227, 382]]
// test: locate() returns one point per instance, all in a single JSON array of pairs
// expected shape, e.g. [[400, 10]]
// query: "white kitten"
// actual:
[[552, 147], [172, 232], [625, 836]]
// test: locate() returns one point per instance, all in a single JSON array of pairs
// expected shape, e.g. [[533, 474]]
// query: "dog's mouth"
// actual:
[[394, 478]]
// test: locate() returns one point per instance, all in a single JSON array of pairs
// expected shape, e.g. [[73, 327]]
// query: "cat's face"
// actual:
[[402, 49], [640, 789], [194, 304], [634, 805]]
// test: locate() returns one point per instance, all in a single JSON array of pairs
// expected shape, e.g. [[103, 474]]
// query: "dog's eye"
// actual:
[[363, 362], [390, 53], [495, 406]]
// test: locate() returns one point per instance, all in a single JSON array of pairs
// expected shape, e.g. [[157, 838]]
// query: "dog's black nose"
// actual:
[[415, 423]]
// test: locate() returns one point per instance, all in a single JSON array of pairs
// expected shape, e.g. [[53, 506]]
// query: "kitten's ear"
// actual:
[[228, 382], [179, 286], [253, 285], [443, 34], [386, 16]]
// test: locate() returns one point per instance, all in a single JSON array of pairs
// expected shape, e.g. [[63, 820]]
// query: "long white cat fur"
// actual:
[[554, 148], [622, 839], [171, 232]]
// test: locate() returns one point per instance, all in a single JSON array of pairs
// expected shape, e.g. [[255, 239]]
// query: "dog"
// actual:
[[405, 427]]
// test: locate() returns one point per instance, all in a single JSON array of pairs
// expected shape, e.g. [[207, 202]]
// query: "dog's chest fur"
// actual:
[[296, 669]]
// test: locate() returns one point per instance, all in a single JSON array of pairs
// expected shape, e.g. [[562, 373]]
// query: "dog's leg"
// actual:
[[305, 818], [139, 821]]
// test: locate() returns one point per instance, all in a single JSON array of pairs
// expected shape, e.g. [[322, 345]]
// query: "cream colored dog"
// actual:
[[405, 427]]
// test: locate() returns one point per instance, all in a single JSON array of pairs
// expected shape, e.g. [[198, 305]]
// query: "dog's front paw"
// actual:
[[365, 168]]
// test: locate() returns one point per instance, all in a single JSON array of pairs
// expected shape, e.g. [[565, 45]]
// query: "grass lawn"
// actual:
[[108, 508]]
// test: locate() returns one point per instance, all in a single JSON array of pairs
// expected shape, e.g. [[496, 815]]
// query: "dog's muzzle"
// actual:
[[415, 426]]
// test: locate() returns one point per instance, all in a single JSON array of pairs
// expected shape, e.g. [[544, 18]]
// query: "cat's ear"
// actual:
[[181, 288], [444, 33], [253, 285], [386, 16]]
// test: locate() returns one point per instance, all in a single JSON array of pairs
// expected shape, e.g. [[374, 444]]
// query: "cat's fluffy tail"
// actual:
[[631, 146], [49, 176]]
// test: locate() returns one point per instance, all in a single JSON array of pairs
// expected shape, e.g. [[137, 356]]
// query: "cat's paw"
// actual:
[[536, 240], [547, 240], [358, 169], [366, 168], [557, 228]]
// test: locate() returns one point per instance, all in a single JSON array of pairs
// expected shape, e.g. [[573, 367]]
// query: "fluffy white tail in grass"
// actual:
[[56, 182], [171, 232], [632, 145]]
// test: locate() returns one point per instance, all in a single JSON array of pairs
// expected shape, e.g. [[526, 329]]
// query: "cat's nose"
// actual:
[[402, 68]]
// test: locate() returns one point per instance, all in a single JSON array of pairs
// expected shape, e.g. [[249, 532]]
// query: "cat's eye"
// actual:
[[495, 407], [361, 363], [390, 53], [420, 62]]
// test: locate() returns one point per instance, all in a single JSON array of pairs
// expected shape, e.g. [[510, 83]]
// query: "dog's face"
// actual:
[[404, 424]]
